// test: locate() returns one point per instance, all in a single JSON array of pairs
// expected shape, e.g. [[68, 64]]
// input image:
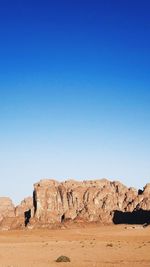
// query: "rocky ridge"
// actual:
[[56, 202]]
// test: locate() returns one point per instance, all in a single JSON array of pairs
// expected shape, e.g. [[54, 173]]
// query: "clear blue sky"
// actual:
[[74, 92]]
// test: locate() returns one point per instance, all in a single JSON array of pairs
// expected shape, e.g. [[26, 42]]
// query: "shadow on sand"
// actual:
[[136, 217]]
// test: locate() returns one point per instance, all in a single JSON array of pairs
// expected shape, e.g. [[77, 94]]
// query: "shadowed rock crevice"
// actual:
[[34, 201], [62, 218], [27, 217]]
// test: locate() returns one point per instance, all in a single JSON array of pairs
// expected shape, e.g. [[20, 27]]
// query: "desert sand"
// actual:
[[90, 246]]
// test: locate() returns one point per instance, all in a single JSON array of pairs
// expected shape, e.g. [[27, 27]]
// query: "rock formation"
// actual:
[[7, 208], [87, 201], [25, 205]]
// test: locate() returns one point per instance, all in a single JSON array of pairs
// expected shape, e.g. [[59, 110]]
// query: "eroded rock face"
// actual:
[[87, 200], [7, 208], [142, 200], [25, 205], [91, 201], [12, 217]]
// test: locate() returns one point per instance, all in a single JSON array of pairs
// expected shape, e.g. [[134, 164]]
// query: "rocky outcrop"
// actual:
[[7, 208], [12, 217], [25, 205], [87, 201], [142, 200]]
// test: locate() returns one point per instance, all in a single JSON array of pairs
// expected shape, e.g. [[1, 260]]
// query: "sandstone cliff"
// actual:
[[56, 202]]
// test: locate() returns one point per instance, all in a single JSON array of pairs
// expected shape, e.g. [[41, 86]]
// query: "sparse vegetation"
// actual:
[[63, 259], [109, 245]]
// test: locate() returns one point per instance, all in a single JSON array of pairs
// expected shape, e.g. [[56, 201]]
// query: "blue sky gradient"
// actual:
[[74, 92]]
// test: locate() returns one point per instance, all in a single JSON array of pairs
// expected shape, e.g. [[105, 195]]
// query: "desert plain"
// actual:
[[86, 246]]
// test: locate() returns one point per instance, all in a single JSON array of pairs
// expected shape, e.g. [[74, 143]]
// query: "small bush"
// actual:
[[109, 245], [63, 259]]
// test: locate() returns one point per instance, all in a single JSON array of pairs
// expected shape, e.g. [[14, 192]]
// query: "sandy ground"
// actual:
[[90, 246]]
